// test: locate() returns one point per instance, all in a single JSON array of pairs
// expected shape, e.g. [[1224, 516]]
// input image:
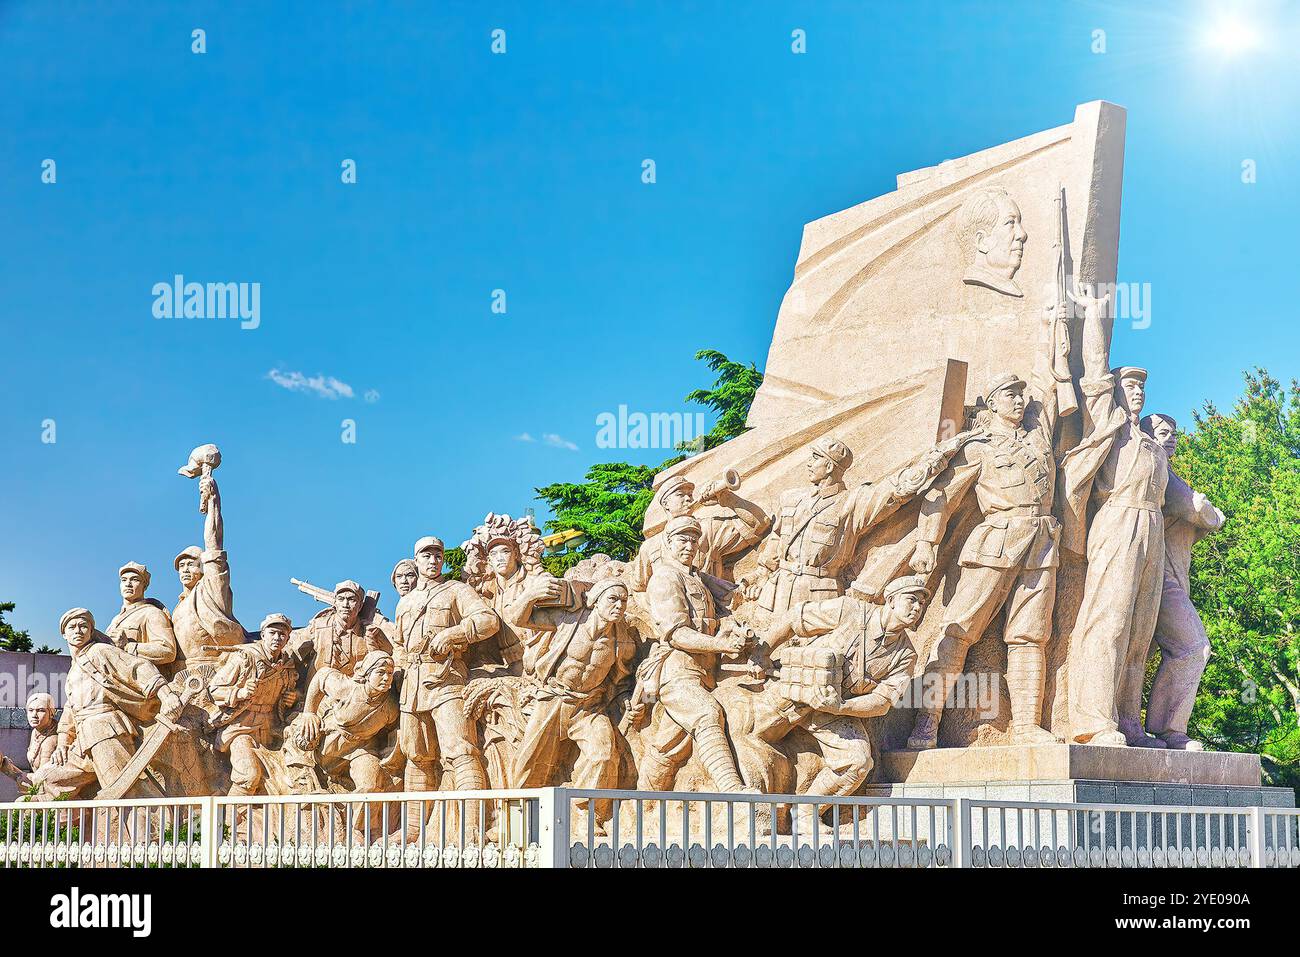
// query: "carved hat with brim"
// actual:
[[683, 525], [276, 619], [193, 552], [1129, 372], [908, 583], [429, 541], [832, 448], [137, 568], [672, 484], [351, 586], [1003, 380]]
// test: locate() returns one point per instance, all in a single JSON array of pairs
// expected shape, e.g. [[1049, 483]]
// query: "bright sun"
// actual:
[[1231, 36]]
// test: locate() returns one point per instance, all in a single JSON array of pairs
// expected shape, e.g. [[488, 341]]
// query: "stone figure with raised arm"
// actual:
[[252, 689], [740, 524], [1119, 473], [143, 627], [111, 695], [1180, 633], [576, 662], [816, 529], [844, 661], [205, 612], [1010, 558], [677, 677]]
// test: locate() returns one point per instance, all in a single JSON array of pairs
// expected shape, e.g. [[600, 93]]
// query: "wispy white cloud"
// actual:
[[321, 386], [524, 437], [558, 441]]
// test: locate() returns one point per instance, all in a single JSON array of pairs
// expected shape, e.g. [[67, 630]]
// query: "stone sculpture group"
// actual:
[[761, 636], [620, 673]]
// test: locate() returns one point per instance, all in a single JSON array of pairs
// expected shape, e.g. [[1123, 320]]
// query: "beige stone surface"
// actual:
[[878, 289], [1063, 762]]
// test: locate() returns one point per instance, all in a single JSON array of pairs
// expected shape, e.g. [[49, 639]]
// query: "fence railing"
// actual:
[[562, 827]]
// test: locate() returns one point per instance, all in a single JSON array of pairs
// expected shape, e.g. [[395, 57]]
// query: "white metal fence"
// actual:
[[560, 827]]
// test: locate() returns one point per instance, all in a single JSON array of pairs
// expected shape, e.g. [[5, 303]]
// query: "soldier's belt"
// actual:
[[801, 570], [1127, 502], [1019, 511]]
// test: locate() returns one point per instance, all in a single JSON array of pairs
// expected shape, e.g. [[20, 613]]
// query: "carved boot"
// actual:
[[467, 773], [1026, 670], [715, 754], [1178, 741], [654, 772], [415, 779], [1135, 736], [925, 732]]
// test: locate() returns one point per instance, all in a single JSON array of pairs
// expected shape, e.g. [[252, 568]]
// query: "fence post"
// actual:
[[959, 814], [209, 832], [1255, 828], [553, 817]]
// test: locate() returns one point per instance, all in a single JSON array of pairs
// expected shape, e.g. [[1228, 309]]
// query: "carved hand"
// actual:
[[923, 558], [60, 755], [1093, 306]]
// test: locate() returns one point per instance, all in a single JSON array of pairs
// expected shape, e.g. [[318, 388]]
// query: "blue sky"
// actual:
[[522, 172]]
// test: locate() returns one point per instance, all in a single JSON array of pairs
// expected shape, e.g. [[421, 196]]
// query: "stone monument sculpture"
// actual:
[[1180, 634], [1122, 471], [913, 514], [205, 611]]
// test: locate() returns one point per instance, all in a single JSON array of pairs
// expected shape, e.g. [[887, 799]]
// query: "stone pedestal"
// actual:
[[1079, 774]]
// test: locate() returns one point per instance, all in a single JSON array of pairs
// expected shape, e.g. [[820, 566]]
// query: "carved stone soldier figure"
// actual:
[[678, 673], [436, 623], [406, 577], [142, 627], [205, 612], [341, 728], [1180, 633], [1123, 472], [45, 737], [741, 525], [501, 557], [334, 638], [1010, 558], [575, 664], [252, 689], [871, 650], [110, 696], [817, 529]]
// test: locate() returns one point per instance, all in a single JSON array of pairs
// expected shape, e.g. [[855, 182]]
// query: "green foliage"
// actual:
[[609, 506], [731, 396], [1245, 579], [453, 562], [10, 638]]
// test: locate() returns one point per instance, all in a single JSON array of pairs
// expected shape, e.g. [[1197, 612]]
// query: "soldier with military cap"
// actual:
[[143, 627], [252, 689], [1010, 558], [335, 637], [736, 524], [817, 528], [860, 657], [436, 624], [678, 672]]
